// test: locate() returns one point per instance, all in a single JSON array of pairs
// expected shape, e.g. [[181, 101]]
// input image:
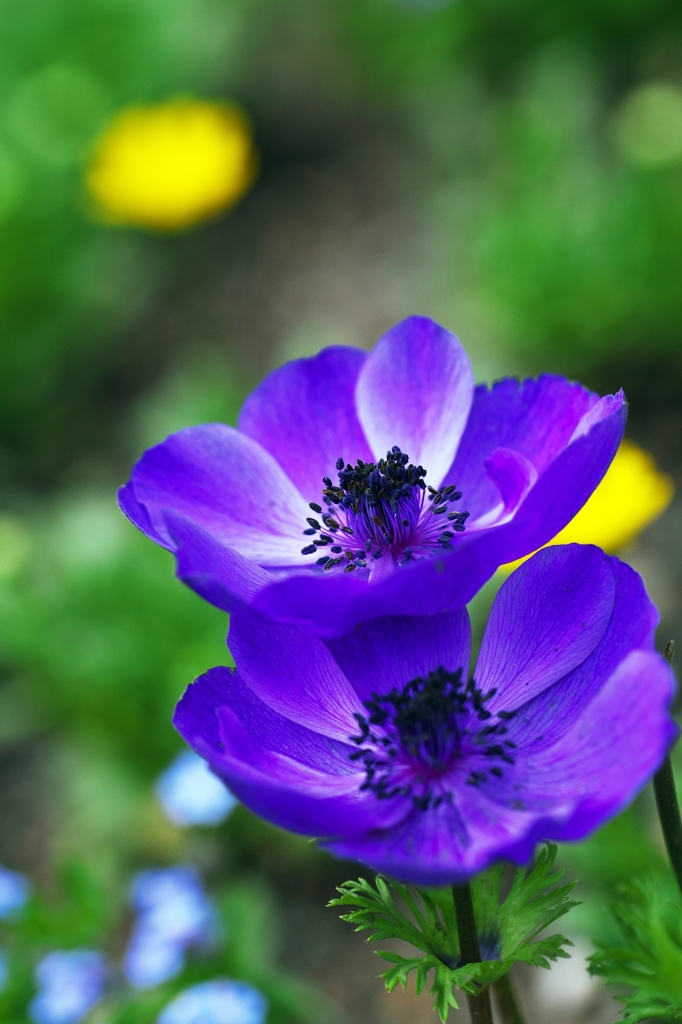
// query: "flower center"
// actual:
[[411, 738], [383, 508]]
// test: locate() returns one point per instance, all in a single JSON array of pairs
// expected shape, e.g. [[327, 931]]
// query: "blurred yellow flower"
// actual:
[[632, 494], [173, 164]]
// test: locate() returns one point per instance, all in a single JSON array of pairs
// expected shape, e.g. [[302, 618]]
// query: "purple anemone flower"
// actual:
[[360, 485], [381, 745]]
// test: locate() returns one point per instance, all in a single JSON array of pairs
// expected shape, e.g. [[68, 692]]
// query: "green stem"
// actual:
[[667, 803], [480, 1009], [506, 1000]]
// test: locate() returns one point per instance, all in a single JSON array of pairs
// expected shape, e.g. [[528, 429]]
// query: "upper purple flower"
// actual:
[[363, 485], [378, 742]]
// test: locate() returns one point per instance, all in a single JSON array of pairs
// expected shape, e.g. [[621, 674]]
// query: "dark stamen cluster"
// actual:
[[423, 727], [366, 482], [383, 502], [456, 520]]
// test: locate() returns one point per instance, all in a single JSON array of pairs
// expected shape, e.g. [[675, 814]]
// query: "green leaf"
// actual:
[[650, 959], [425, 918], [536, 900]]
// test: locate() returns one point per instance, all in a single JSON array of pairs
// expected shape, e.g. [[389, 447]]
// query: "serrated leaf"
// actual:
[[536, 900], [650, 961], [508, 930], [377, 910]]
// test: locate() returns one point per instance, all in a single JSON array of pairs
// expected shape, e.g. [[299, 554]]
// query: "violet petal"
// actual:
[[304, 414], [415, 391], [547, 617], [227, 484]]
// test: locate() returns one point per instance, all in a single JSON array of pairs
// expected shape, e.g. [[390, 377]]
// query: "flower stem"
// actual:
[[666, 800], [480, 1009], [506, 1000]]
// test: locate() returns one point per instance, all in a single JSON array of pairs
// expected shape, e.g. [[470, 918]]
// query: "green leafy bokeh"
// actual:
[[501, 131]]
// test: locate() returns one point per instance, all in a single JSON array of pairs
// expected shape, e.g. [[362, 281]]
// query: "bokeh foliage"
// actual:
[[70, 287], [556, 247], [562, 248]]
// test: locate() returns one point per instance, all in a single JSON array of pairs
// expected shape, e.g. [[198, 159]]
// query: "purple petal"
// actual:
[[227, 484], [389, 652], [250, 760], [536, 418], [216, 572], [562, 489], [601, 410], [513, 475], [415, 391], [608, 754], [443, 845], [285, 788], [304, 415], [138, 515], [332, 607], [547, 617], [539, 723], [195, 719], [295, 674], [291, 794]]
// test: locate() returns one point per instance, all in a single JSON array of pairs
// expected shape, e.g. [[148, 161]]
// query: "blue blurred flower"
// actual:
[[14, 890], [191, 794], [216, 1002], [69, 984], [4, 970], [174, 914]]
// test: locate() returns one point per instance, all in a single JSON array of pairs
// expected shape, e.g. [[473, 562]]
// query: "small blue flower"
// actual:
[[174, 914], [69, 985], [191, 794], [14, 891], [216, 1002]]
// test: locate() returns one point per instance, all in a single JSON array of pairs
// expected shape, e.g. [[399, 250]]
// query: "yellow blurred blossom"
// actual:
[[170, 165], [632, 494]]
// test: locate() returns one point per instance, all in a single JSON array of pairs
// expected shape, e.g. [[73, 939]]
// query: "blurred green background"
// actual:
[[512, 168]]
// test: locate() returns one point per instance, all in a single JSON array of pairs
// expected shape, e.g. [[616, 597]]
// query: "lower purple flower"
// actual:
[[381, 745]]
